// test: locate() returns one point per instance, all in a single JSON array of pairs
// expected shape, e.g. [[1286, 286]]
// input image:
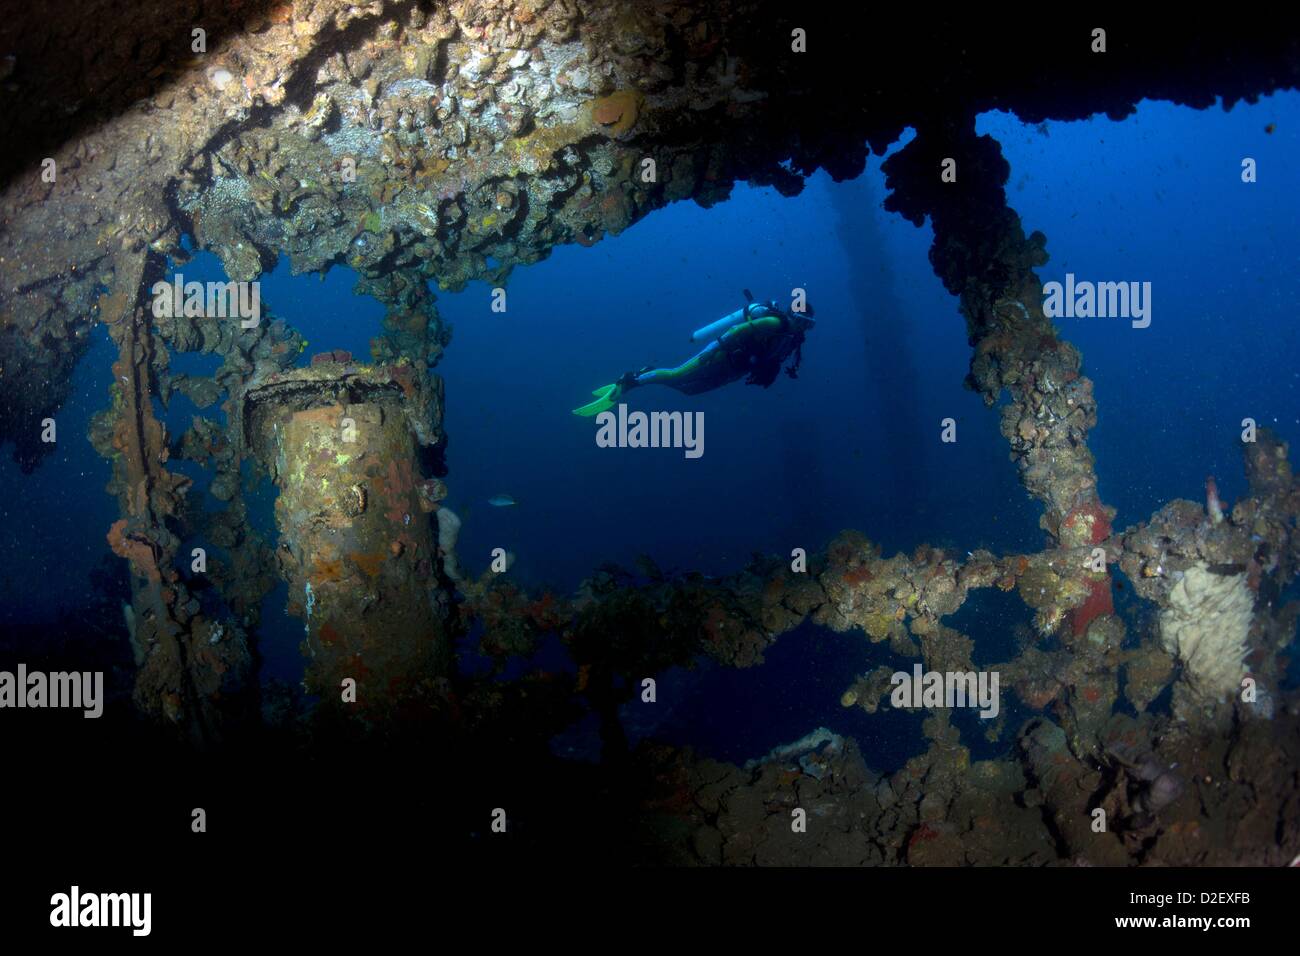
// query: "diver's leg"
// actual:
[[696, 374], [707, 369], [726, 359]]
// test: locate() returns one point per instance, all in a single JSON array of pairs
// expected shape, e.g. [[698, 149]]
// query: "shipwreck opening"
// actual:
[[847, 444]]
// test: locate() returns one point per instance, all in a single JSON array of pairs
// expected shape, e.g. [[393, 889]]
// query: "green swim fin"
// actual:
[[606, 396]]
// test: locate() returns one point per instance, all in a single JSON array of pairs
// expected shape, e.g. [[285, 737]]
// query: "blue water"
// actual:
[[54, 522], [854, 441], [1159, 197]]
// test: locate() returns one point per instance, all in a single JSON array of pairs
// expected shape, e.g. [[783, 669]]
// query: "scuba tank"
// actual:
[[751, 310], [715, 330]]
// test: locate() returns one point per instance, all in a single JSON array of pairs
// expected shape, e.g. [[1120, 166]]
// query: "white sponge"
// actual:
[[1206, 627], [448, 532]]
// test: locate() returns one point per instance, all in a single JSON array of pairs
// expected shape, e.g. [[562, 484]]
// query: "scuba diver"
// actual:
[[753, 341]]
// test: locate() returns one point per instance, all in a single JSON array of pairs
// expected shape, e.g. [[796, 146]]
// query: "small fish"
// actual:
[[1270, 127], [501, 501]]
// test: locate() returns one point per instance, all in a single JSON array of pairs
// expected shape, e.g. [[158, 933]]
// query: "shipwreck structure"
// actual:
[[434, 143], [340, 442]]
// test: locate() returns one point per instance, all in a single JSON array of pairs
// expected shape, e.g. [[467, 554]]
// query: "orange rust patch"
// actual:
[[922, 834], [137, 549], [1100, 601], [619, 111], [1100, 525], [327, 570], [404, 375], [370, 563], [858, 575], [327, 415]]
